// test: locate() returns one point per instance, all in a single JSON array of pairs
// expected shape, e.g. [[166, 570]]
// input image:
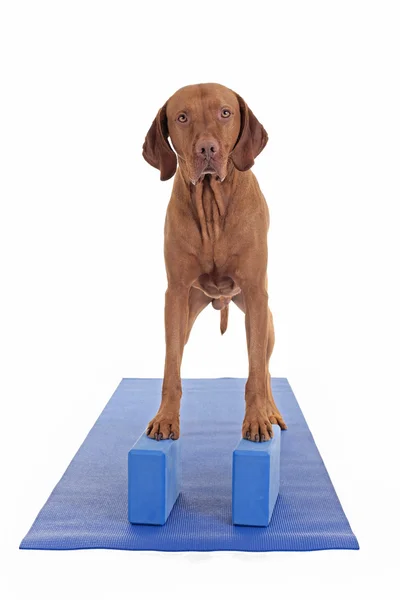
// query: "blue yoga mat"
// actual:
[[88, 507]]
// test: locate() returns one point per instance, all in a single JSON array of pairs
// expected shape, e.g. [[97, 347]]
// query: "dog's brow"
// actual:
[[184, 109]]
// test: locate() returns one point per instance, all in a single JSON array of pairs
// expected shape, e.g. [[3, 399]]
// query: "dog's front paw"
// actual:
[[256, 426], [164, 426]]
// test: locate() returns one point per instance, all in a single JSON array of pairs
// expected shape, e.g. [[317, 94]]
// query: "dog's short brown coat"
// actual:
[[215, 240]]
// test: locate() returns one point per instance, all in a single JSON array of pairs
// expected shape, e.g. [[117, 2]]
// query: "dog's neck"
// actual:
[[209, 207], [209, 199]]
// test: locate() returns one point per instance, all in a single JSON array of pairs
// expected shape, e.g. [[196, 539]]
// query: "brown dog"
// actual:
[[215, 240]]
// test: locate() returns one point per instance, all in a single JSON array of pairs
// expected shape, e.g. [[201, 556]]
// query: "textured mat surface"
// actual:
[[88, 507]]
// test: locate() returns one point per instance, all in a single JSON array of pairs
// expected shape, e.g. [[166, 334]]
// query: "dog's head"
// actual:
[[208, 125]]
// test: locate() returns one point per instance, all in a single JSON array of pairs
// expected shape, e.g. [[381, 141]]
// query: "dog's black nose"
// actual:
[[207, 148]]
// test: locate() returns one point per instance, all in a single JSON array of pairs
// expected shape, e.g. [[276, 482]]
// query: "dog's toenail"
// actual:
[[171, 435], [263, 438], [248, 435], [257, 438], [160, 436]]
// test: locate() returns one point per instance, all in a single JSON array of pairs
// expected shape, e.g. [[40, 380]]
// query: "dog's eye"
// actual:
[[225, 113], [182, 118]]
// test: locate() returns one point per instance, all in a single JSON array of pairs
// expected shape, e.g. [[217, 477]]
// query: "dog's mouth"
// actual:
[[210, 168]]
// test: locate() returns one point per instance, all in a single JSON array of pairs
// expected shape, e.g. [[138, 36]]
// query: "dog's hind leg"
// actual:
[[197, 302], [273, 412], [274, 416]]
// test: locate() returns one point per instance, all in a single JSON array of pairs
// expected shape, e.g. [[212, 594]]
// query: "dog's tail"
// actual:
[[224, 319]]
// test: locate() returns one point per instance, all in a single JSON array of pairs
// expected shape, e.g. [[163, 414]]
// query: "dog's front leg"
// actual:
[[166, 422], [256, 424]]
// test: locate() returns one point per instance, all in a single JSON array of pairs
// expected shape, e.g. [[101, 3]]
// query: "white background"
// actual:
[[82, 270]]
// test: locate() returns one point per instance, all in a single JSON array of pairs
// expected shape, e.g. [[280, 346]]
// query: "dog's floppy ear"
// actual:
[[251, 141], [156, 148]]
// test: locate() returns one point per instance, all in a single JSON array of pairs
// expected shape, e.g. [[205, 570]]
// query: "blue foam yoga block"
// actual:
[[255, 481], [154, 480]]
